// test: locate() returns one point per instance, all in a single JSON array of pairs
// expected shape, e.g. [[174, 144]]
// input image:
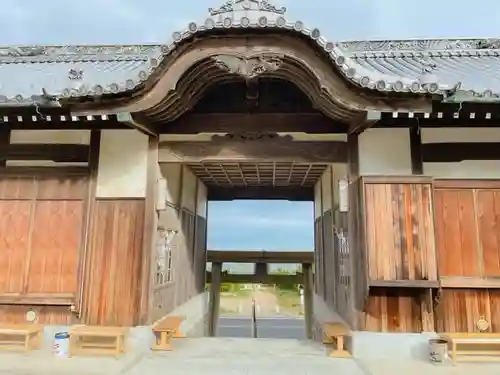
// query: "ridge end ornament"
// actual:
[[248, 68], [246, 5]]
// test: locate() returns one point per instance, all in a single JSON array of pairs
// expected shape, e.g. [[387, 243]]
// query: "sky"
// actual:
[[263, 225]]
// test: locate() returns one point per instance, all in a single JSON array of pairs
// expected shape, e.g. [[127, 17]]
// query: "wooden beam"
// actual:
[[54, 118], [278, 150], [257, 279], [308, 299], [84, 259], [148, 266], [364, 121], [416, 152], [55, 152], [434, 122], [214, 299], [404, 283], [313, 123], [456, 152], [396, 180], [357, 256], [38, 299], [138, 123], [291, 193], [4, 144], [256, 256], [469, 282]]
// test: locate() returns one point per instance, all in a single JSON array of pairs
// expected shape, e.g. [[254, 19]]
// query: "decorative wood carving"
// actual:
[[249, 67], [249, 136], [245, 5], [313, 123], [281, 149]]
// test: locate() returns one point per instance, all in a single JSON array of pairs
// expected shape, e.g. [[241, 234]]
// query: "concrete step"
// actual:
[[246, 356], [208, 356], [245, 347]]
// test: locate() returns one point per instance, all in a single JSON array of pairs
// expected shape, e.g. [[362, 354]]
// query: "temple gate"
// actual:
[[109, 155]]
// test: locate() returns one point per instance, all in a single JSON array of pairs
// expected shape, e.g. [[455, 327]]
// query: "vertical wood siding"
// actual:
[[55, 239], [394, 310], [400, 231], [115, 248], [41, 218], [460, 309], [468, 230], [14, 231], [456, 233], [488, 202]]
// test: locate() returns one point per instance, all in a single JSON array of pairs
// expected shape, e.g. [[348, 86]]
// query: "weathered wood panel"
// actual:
[[399, 231], [456, 233], [115, 248], [55, 245], [200, 252], [394, 310], [460, 309], [329, 271], [488, 212], [14, 245], [41, 219], [318, 249]]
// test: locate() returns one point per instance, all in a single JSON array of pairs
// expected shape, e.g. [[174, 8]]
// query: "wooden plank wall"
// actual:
[[114, 256], [393, 310], [460, 309], [399, 243], [400, 231], [468, 229], [41, 226], [468, 233]]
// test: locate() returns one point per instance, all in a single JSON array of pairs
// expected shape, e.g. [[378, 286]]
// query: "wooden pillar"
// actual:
[[308, 299], [354, 240], [214, 301], [150, 234]]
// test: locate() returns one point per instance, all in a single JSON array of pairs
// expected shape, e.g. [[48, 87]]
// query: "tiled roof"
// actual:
[[37, 73]]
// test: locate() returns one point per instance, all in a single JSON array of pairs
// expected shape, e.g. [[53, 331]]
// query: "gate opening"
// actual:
[[264, 300]]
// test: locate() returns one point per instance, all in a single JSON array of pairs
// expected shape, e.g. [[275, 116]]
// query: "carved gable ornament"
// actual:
[[250, 67], [247, 5]]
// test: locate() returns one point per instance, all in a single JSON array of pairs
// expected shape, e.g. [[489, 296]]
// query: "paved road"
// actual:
[[272, 327]]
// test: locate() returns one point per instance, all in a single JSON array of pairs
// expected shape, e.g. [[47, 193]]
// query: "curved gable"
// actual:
[[50, 74]]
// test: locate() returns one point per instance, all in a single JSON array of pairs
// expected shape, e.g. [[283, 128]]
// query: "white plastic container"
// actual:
[[61, 344]]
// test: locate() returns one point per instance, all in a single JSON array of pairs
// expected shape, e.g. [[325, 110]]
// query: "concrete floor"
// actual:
[[230, 356]]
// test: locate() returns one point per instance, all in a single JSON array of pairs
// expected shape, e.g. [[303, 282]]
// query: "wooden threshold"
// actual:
[[404, 284], [469, 282], [238, 256], [38, 299], [411, 179]]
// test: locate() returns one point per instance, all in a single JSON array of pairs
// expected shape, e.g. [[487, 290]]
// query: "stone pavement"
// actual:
[[230, 356]]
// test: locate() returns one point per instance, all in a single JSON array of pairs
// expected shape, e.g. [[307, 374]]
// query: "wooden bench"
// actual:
[[97, 340], [24, 337], [334, 334], [165, 329], [474, 346]]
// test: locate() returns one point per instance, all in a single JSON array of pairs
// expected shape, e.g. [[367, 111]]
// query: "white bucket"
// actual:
[[61, 344]]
